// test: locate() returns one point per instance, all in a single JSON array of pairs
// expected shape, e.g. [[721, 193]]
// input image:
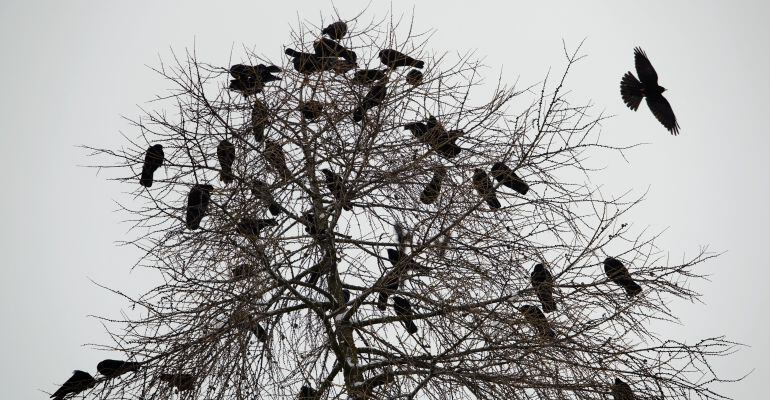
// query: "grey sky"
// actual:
[[71, 69]]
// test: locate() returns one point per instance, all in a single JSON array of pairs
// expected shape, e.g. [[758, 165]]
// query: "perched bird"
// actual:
[[311, 110], [241, 271], [307, 393], [390, 284], [618, 274], [261, 191], [259, 120], [433, 189], [414, 77], [346, 295], [507, 177], [542, 282], [274, 156], [309, 63], [403, 308], [340, 66], [536, 318], [153, 159], [226, 157], [311, 223], [324, 47], [403, 263], [250, 79], [252, 226], [78, 382], [418, 129], [182, 382], [621, 391], [197, 205], [632, 91], [115, 368], [336, 30], [373, 98], [395, 59], [368, 76], [484, 188], [337, 188], [434, 135]]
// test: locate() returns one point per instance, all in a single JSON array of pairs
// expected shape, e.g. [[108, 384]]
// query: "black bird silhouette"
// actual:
[[336, 30], [389, 284], [226, 157], [414, 77], [618, 273], [368, 76], [329, 48], [325, 265], [274, 156], [507, 177], [78, 382], [373, 98], [261, 191], [197, 205], [311, 223], [536, 318], [153, 159], [309, 63], [632, 91], [115, 368], [403, 308], [259, 120], [182, 382], [307, 393], [542, 282], [485, 189], [403, 263], [395, 59], [311, 109], [440, 139], [250, 79], [621, 391], [241, 271], [337, 188], [259, 332], [252, 226], [433, 189], [346, 295]]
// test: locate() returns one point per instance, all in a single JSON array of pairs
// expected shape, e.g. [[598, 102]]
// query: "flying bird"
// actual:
[[394, 59], [368, 76], [508, 178], [311, 110], [618, 273], [78, 382], [414, 77], [182, 382], [433, 189], [274, 156], [324, 47], [153, 159], [337, 188], [261, 191], [621, 390], [373, 98], [542, 282], [336, 30], [632, 90], [252, 226], [259, 120], [197, 205], [226, 157], [536, 318], [403, 308], [485, 189], [115, 368]]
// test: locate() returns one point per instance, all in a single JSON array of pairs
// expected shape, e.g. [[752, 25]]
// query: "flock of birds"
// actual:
[[330, 55]]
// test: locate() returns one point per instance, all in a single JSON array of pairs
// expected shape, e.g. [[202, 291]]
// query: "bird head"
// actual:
[[291, 52], [539, 267], [328, 173]]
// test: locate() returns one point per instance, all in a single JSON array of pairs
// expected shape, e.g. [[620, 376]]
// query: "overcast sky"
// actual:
[[70, 69]]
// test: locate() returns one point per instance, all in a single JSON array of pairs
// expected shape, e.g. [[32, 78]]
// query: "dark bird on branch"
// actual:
[[618, 273], [536, 318], [252, 226], [632, 90], [336, 186], [153, 159], [368, 76], [433, 189], [311, 223], [114, 368], [485, 189], [395, 59], [621, 391], [403, 308], [390, 284], [508, 178], [322, 267], [441, 140], [346, 295], [373, 98], [329, 48], [542, 282], [274, 156], [226, 157], [182, 382], [197, 205], [250, 79], [403, 263], [336, 30], [261, 191], [78, 382], [259, 120], [241, 271], [309, 63], [307, 393], [414, 77], [311, 110]]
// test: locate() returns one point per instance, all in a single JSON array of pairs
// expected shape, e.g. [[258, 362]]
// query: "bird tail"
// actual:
[[632, 288], [226, 175], [419, 64], [146, 178], [520, 186], [631, 90], [410, 326], [493, 202]]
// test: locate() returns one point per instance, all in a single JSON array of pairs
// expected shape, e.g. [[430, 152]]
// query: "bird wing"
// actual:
[[644, 68], [663, 112]]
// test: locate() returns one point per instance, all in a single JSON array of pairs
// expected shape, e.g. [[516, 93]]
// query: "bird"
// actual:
[[274, 156], [182, 382], [259, 120], [632, 90], [403, 308], [542, 282], [536, 318], [618, 273], [252, 226], [153, 159], [433, 189], [78, 382], [251, 79], [311, 109], [310, 221], [508, 178], [197, 205], [115, 368], [307, 393], [373, 98], [394, 59], [390, 283], [414, 77], [346, 295], [441, 140], [226, 157], [259, 332], [621, 390], [324, 47], [336, 30], [485, 189], [368, 76], [261, 191], [337, 188], [308, 63], [403, 263], [241, 271]]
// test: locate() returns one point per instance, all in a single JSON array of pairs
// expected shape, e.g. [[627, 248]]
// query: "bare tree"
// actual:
[[355, 241]]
